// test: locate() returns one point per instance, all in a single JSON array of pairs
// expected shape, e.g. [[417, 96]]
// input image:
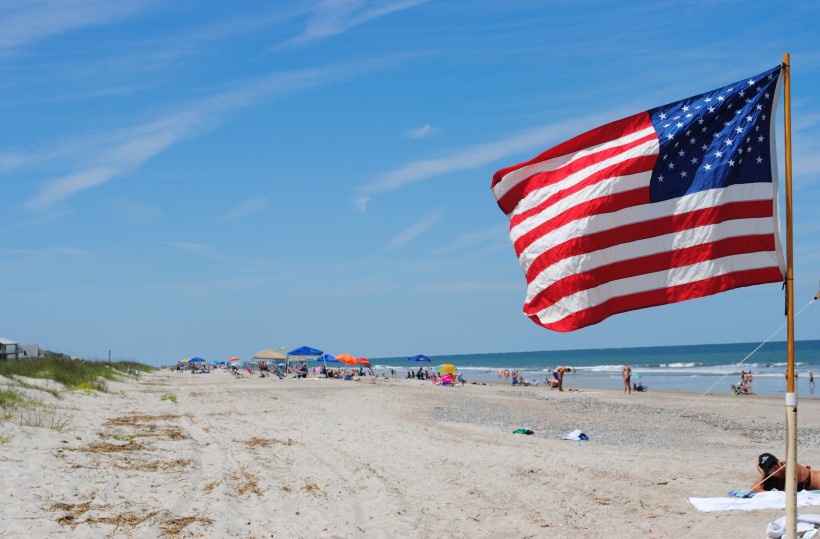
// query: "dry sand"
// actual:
[[256, 457]]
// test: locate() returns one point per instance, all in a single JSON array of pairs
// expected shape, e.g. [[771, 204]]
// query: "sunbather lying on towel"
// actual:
[[773, 475]]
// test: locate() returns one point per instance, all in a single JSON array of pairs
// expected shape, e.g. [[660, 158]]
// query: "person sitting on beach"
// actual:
[[739, 390], [773, 475], [638, 386]]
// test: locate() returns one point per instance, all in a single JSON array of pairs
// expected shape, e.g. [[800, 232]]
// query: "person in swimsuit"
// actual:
[[558, 374], [773, 475], [626, 370]]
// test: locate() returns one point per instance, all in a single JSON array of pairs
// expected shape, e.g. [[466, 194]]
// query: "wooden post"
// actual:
[[791, 394]]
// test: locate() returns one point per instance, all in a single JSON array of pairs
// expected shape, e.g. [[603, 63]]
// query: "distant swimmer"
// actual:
[[626, 371]]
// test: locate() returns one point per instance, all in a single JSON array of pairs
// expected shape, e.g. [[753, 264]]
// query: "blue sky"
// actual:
[[205, 178]]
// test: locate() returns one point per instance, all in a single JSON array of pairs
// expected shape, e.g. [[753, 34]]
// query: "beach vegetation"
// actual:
[[169, 397], [31, 412], [5, 438], [10, 400], [73, 374], [35, 413], [89, 388]]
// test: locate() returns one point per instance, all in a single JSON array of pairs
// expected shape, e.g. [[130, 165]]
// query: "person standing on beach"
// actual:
[[626, 371], [558, 373], [811, 382]]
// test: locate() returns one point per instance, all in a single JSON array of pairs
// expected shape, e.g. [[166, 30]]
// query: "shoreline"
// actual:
[[262, 457]]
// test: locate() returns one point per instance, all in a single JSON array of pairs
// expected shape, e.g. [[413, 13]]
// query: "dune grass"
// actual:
[[74, 374], [29, 411]]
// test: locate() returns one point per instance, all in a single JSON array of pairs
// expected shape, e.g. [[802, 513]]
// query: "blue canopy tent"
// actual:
[[418, 358], [197, 360], [304, 351]]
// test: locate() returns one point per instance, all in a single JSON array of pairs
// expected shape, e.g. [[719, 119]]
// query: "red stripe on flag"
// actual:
[[648, 264], [611, 173], [540, 180], [607, 204], [653, 298], [600, 135], [643, 230]]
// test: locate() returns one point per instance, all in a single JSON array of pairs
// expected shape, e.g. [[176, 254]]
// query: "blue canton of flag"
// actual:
[[714, 139]]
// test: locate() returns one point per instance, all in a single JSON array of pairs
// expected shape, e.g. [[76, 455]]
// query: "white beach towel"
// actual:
[[575, 436], [762, 500], [777, 528]]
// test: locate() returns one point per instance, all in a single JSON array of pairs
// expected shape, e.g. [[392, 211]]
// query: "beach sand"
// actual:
[[262, 457]]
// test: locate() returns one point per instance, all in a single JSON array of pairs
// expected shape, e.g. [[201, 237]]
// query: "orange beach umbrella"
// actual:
[[346, 358]]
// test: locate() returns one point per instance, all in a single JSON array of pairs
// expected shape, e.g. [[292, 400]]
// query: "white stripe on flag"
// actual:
[[537, 196], [514, 177], [612, 186], [659, 244], [644, 212], [655, 281]]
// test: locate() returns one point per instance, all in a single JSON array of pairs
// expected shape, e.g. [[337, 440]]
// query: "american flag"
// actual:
[[673, 203]]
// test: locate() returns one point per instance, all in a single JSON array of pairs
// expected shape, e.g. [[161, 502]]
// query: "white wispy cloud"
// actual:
[[420, 132], [331, 17], [407, 235], [249, 207], [65, 252], [135, 213], [117, 152], [473, 157], [24, 23], [68, 185], [475, 239], [201, 249]]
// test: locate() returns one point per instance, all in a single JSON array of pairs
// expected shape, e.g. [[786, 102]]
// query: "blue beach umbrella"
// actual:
[[196, 360], [305, 351], [418, 358]]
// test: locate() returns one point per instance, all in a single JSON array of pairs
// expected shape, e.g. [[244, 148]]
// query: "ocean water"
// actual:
[[697, 368]]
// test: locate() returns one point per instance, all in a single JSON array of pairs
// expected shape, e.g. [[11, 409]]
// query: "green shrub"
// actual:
[[169, 397]]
